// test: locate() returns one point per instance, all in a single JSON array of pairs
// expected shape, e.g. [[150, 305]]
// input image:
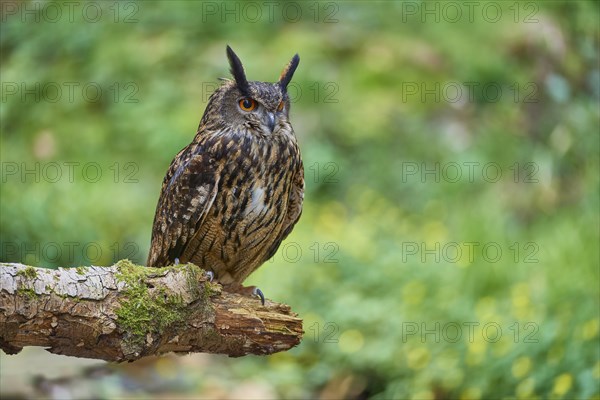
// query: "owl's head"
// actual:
[[258, 107]]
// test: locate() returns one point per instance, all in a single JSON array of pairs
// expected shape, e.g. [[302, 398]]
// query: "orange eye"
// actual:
[[280, 106], [247, 104]]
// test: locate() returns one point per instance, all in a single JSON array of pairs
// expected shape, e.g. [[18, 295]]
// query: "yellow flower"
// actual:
[[521, 367], [414, 293], [485, 308], [562, 384], [351, 341], [476, 352], [418, 358], [435, 232], [525, 388], [590, 329]]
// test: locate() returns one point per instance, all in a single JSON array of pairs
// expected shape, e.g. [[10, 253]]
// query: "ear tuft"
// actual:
[[237, 70], [288, 72]]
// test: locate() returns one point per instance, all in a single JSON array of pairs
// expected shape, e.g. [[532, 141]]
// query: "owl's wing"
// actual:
[[188, 192], [294, 209]]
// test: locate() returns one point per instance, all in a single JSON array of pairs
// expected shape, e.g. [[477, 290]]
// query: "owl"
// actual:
[[235, 192]]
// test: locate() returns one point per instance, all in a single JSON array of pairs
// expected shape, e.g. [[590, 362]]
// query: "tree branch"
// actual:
[[125, 312]]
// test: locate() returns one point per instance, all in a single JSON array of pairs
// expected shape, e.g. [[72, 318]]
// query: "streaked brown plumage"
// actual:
[[232, 195]]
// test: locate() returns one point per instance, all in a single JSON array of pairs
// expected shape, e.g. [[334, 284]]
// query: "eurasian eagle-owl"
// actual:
[[235, 192]]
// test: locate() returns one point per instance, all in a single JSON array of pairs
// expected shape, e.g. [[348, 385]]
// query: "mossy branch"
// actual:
[[126, 312]]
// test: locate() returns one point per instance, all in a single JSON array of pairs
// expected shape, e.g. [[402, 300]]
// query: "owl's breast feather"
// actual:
[[257, 202]]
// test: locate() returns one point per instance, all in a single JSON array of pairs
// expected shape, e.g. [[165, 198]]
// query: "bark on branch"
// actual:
[[125, 312]]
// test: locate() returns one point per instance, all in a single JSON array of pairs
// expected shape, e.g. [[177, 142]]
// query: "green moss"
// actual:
[[30, 293], [80, 270], [147, 310], [125, 264], [126, 268], [29, 272]]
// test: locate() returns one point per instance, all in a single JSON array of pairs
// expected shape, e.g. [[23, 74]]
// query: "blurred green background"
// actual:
[[449, 242]]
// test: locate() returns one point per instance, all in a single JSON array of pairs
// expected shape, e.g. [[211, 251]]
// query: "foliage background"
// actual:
[[348, 268]]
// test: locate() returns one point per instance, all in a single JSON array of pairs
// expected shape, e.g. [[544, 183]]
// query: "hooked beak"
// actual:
[[270, 121]]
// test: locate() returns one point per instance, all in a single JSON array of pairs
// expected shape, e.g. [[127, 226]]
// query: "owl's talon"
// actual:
[[210, 275], [259, 293]]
